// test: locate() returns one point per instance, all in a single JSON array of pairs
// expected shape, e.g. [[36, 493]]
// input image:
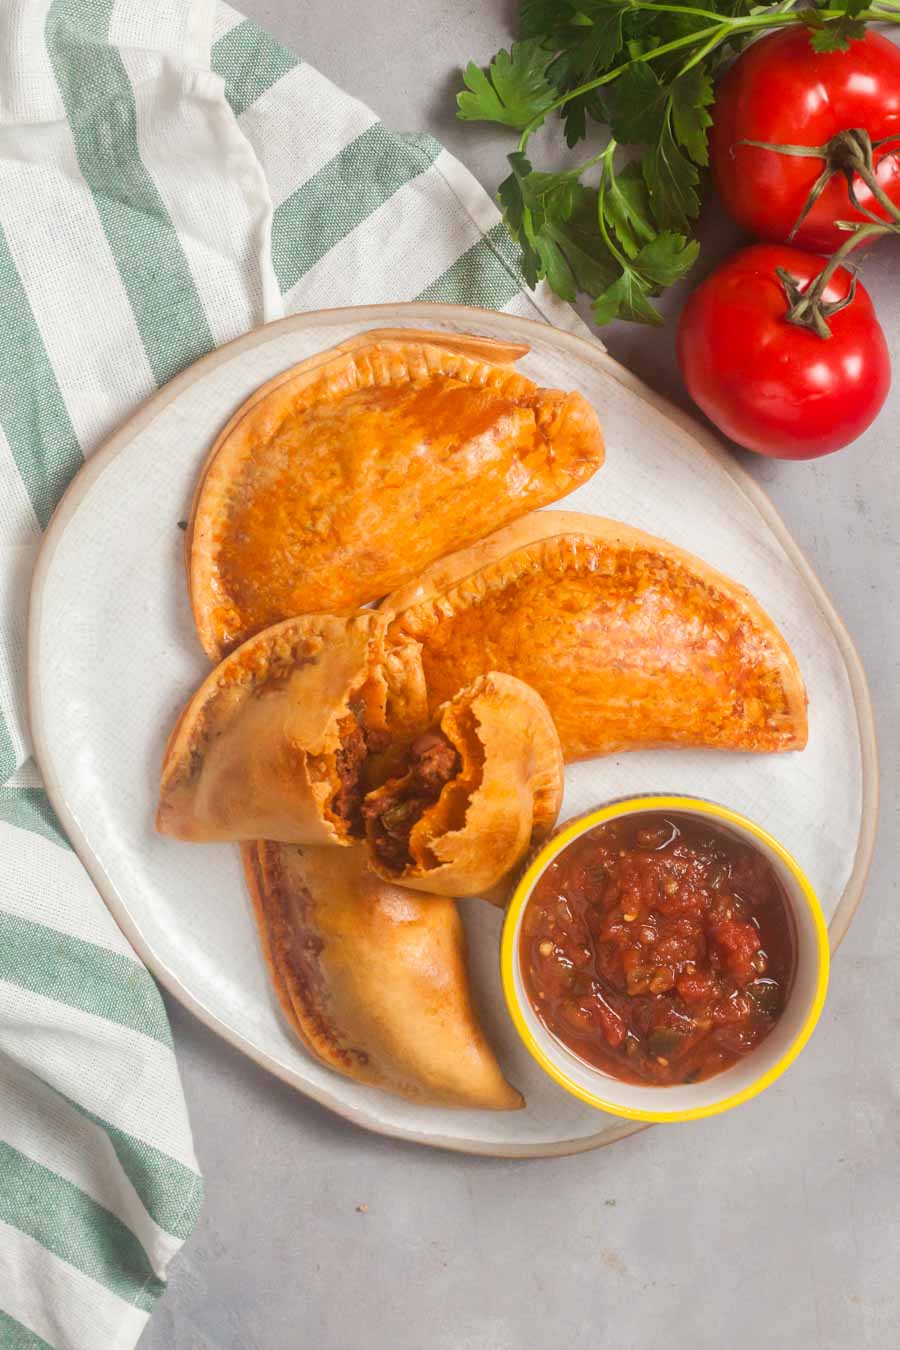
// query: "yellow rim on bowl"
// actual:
[[509, 953]]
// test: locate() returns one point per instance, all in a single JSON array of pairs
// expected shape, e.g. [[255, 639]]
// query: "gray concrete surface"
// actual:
[[774, 1226]]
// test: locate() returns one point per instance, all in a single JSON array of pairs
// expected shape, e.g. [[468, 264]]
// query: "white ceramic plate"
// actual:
[[113, 656]]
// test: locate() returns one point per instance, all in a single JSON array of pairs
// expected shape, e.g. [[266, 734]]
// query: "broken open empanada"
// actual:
[[273, 743], [372, 977], [631, 641], [289, 733], [344, 476], [477, 789]]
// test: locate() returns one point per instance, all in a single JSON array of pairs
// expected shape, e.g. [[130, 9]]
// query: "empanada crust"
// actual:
[[343, 477], [631, 642], [372, 977]]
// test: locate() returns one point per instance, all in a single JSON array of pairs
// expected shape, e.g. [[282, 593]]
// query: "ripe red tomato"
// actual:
[[781, 91], [772, 386]]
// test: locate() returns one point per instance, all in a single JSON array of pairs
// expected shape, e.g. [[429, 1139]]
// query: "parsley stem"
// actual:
[[680, 9], [714, 34], [783, 20], [784, 7], [589, 163], [687, 41], [707, 47]]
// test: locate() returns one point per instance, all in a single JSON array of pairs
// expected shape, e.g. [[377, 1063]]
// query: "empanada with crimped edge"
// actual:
[[344, 476], [372, 977], [631, 642], [476, 791], [273, 744]]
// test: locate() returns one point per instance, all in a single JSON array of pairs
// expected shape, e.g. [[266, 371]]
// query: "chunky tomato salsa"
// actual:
[[659, 948]]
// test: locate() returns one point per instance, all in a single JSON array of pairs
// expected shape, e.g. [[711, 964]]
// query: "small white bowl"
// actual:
[[746, 1078]]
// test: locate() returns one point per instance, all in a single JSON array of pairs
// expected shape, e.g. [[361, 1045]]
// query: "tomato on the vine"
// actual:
[[780, 91], [770, 385]]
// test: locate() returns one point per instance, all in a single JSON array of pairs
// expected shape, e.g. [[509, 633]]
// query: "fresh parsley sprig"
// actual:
[[646, 71]]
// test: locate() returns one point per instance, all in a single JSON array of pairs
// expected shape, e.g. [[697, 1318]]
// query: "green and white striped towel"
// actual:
[[169, 177]]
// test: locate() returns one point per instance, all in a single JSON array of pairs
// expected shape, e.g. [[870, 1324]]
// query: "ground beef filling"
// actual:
[[357, 742], [433, 762], [348, 761]]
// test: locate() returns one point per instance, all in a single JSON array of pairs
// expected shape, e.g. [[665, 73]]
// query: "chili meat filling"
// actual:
[[658, 948], [357, 742], [348, 767], [433, 762]]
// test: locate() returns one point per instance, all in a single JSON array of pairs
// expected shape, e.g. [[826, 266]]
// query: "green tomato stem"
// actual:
[[850, 153], [871, 181], [835, 261], [807, 309]]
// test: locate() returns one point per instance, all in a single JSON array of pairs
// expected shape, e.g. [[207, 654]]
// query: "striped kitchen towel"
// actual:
[[169, 177]]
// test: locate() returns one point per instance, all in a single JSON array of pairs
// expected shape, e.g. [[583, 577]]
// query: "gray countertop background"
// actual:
[[776, 1225]]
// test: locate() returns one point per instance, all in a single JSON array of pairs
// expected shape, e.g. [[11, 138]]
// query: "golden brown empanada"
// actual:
[[273, 743], [372, 977], [477, 789], [631, 641], [345, 475]]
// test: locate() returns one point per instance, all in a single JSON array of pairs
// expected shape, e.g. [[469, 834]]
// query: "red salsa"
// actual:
[[658, 948]]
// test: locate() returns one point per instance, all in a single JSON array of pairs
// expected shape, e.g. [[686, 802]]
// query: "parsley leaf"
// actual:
[[837, 35], [578, 110], [691, 94], [514, 91], [587, 42], [627, 207], [542, 18], [553, 217], [671, 180], [603, 41], [639, 108], [667, 258], [571, 266], [627, 298]]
